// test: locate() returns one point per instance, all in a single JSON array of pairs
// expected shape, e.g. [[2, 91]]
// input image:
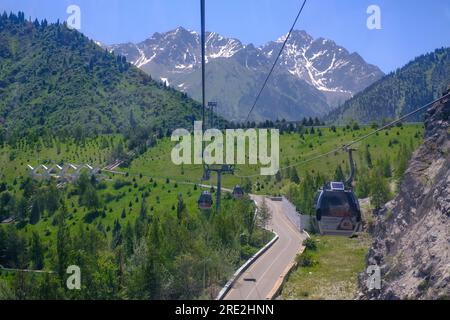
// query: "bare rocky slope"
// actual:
[[412, 233]]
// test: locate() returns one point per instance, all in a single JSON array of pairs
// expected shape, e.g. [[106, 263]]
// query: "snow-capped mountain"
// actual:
[[323, 64], [313, 75], [178, 50]]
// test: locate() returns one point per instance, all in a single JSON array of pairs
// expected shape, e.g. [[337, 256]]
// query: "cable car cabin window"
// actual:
[[337, 204], [238, 192], [205, 201]]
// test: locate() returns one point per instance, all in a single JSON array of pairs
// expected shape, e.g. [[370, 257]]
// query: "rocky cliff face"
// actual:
[[412, 233]]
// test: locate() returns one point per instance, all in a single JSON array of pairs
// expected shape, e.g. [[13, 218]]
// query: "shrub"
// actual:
[[306, 259], [118, 184], [247, 252], [102, 186], [310, 244]]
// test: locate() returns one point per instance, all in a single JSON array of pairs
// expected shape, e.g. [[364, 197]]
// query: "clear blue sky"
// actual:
[[409, 27]]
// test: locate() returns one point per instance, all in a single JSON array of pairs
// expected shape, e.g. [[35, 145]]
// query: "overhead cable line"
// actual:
[[346, 146], [276, 61]]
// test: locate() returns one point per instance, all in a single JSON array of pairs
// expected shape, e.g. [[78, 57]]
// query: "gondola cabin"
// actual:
[[205, 201], [238, 193], [337, 210]]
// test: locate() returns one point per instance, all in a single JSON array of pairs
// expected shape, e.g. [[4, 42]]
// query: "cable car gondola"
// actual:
[[337, 210], [337, 207], [205, 201], [238, 193]]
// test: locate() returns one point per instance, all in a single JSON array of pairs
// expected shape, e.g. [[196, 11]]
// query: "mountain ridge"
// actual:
[[60, 80], [331, 73], [418, 82]]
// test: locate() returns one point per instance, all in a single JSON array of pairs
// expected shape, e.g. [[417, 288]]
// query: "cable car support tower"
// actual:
[[207, 169]]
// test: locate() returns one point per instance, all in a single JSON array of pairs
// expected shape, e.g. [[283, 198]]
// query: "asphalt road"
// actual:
[[262, 278]]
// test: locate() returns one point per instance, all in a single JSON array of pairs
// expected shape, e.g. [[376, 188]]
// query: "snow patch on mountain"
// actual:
[[166, 81], [143, 60]]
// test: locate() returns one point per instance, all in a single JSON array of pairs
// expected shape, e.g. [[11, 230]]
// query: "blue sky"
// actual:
[[409, 27]]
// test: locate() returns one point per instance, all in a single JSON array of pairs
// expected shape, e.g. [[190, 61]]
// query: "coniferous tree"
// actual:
[[90, 198], [368, 157], [339, 174], [129, 240], [247, 185], [143, 211], [116, 235], [37, 252], [62, 242], [379, 190], [181, 207], [363, 186], [294, 175], [35, 214], [403, 156], [264, 214], [278, 176]]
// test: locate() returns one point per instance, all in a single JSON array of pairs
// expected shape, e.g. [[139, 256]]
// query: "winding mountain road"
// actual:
[[264, 277]]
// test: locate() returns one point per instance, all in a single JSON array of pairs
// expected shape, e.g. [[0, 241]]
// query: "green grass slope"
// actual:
[[294, 148], [330, 271]]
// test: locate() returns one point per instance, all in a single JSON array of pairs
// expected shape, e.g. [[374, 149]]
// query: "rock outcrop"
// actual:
[[412, 233]]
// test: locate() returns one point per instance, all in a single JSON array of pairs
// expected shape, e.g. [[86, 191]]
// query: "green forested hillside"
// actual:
[[53, 78], [400, 92], [133, 236]]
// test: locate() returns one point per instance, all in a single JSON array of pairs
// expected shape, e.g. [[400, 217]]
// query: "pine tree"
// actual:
[[247, 185], [116, 235], [181, 207], [37, 255], [339, 174], [35, 215], [52, 198], [363, 185], [385, 167], [278, 176], [294, 175], [129, 240], [90, 198], [264, 214], [62, 242], [403, 157], [22, 210], [143, 211], [379, 190], [132, 119], [368, 157]]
